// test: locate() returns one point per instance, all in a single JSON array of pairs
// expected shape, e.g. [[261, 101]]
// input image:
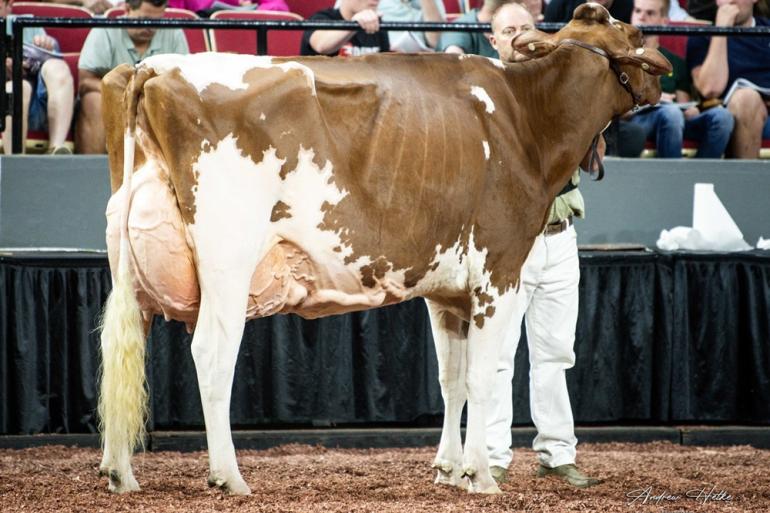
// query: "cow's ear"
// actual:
[[591, 12], [649, 59], [533, 43]]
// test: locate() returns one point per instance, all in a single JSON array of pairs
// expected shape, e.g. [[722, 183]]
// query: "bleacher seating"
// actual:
[[306, 8], [453, 6], [197, 39], [279, 42], [70, 43], [70, 39]]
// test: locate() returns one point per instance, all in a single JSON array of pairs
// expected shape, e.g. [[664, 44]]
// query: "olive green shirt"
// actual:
[[568, 204], [105, 49]]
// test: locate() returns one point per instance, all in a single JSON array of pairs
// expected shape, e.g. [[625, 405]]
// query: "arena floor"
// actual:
[[302, 478]]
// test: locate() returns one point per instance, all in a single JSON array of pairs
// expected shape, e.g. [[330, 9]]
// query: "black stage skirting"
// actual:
[[662, 338]]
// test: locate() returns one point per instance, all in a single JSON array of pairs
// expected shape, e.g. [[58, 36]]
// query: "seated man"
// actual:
[[666, 123], [47, 91], [368, 39], [717, 62], [472, 42], [105, 49], [410, 11], [95, 6]]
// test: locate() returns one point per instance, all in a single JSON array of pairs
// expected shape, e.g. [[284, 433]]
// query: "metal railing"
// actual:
[[13, 102]]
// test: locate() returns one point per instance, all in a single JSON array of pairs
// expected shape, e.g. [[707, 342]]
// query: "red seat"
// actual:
[[307, 8], [453, 6], [279, 42], [678, 44], [70, 39], [196, 38]]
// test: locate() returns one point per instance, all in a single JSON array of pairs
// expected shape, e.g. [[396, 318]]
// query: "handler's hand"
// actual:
[[369, 20]]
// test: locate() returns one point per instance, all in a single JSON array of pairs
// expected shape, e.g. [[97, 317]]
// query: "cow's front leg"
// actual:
[[215, 350], [450, 338], [487, 329]]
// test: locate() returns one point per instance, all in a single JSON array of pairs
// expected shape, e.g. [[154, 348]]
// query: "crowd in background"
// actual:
[[699, 105]]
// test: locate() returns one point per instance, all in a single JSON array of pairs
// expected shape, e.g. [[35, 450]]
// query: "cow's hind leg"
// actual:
[[485, 336], [450, 337], [215, 349]]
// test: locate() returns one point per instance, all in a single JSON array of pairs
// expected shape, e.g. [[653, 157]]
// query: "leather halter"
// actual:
[[623, 77], [624, 80]]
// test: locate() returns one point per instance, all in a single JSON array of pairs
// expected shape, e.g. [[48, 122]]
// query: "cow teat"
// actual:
[[591, 11]]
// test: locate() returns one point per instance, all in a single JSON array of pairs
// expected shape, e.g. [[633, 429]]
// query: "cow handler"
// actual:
[[548, 301]]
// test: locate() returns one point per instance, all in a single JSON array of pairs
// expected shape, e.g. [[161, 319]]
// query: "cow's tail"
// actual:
[[123, 391]]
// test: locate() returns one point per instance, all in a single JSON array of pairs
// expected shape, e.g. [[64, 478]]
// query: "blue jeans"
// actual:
[[665, 124], [38, 105]]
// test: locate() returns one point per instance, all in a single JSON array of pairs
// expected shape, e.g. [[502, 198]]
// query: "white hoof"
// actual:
[[480, 482], [233, 486], [449, 474], [120, 484]]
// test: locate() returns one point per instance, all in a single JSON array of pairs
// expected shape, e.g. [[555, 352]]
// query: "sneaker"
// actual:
[[59, 150], [499, 474], [570, 474]]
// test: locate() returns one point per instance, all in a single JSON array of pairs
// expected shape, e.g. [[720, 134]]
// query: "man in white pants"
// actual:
[[548, 300]]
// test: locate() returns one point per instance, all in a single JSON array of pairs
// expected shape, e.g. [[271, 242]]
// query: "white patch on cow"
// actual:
[[228, 69], [305, 190], [459, 270], [233, 192], [481, 94], [496, 62], [262, 117], [486, 149]]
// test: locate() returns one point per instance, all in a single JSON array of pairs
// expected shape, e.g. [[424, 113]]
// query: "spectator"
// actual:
[[206, 7], [95, 6], [410, 11], [535, 8], [666, 122], [560, 11], [367, 39], [47, 90], [472, 42], [717, 62], [105, 49], [548, 301]]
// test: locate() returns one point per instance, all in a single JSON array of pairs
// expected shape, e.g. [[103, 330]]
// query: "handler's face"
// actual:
[[509, 22]]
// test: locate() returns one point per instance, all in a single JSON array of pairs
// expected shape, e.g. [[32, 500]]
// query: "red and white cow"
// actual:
[[320, 186]]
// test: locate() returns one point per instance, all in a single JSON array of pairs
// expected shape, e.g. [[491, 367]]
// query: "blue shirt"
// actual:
[[747, 57]]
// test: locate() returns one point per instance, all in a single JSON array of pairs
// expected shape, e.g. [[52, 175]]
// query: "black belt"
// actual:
[[567, 188], [558, 226]]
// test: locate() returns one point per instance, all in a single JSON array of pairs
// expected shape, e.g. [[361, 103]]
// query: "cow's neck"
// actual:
[[575, 98]]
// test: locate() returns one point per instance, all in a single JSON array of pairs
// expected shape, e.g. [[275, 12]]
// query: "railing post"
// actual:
[[5, 108], [261, 41], [17, 94]]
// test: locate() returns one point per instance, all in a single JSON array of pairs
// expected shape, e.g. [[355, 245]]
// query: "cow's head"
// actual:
[[637, 67]]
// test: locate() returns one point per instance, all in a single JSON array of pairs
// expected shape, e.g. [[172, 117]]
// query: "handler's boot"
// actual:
[[499, 474], [570, 474]]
